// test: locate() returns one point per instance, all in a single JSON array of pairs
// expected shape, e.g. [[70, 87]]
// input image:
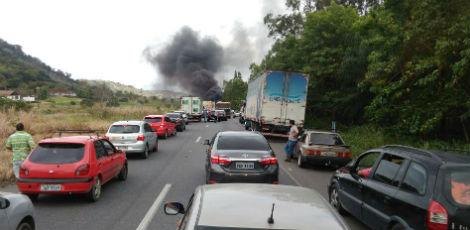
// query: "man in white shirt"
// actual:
[[292, 141]]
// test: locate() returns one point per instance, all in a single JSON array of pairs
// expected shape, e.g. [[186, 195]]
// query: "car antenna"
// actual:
[[271, 219]]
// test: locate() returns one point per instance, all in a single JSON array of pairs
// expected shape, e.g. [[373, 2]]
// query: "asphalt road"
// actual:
[[177, 169]]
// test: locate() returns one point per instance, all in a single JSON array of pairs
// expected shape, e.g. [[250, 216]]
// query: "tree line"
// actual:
[[402, 65]]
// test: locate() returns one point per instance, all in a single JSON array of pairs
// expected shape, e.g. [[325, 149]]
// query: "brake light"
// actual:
[[346, 154], [141, 138], [437, 216], [24, 171], [312, 152], [268, 161], [82, 170], [220, 160]]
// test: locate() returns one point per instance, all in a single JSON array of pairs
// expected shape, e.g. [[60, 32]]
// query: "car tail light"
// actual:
[[268, 161], [346, 154], [141, 138], [437, 216], [24, 171], [82, 170], [220, 160], [313, 152]]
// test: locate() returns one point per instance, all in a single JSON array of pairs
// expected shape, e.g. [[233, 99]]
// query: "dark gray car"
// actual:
[[240, 156], [255, 207]]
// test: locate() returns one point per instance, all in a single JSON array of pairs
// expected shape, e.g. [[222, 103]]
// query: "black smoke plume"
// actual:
[[191, 63]]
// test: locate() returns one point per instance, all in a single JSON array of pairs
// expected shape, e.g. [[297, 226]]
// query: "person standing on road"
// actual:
[[292, 141], [204, 115], [20, 143]]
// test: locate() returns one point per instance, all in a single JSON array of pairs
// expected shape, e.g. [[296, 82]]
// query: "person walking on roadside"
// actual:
[[292, 141], [20, 143]]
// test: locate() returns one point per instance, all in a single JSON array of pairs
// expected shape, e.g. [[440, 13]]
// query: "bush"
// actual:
[[6, 104]]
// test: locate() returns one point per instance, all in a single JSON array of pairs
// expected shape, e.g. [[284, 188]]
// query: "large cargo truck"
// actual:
[[193, 107], [273, 99], [226, 106], [209, 105]]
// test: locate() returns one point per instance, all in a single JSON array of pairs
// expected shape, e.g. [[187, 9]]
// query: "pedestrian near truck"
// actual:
[[20, 143], [292, 141]]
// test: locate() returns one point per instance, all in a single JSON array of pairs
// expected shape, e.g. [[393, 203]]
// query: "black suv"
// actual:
[[398, 187]]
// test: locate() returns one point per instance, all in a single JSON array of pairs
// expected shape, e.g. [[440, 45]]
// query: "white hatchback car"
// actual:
[[16, 212], [133, 137]]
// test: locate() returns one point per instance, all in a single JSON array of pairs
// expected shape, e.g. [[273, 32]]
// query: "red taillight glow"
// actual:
[[82, 170], [141, 138], [220, 159], [346, 154], [437, 216], [24, 171], [314, 152], [268, 161]]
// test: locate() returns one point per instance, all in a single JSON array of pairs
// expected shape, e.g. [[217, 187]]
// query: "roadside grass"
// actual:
[[362, 138], [46, 117]]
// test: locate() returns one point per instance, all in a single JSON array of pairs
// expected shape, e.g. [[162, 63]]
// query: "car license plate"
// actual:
[[328, 154], [122, 147], [244, 165], [51, 187]]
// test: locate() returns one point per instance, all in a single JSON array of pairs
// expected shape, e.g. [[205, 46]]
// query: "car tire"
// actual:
[[145, 153], [122, 176], [95, 193], [33, 197], [25, 226], [333, 198], [300, 161], [397, 226]]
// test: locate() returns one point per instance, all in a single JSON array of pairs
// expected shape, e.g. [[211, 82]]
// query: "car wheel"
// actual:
[[32, 197], [95, 193], [300, 161], [145, 154], [25, 226], [397, 226], [334, 200], [123, 173]]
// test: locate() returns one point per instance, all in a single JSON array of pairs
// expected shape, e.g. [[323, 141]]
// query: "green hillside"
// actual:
[[28, 74]]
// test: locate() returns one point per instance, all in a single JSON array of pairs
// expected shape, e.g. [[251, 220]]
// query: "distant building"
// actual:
[[10, 94], [13, 95], [64, 94]]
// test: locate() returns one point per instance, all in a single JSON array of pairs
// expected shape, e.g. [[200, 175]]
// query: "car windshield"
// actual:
[[325, 139], [57, 153], [153, 119], [459, 185], [242, 142], [124, 129], [173, 115]]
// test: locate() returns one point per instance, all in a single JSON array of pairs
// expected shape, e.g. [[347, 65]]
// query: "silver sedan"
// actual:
[[133, 137], [16, 212]]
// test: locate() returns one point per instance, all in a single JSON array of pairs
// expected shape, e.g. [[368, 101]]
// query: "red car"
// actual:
[[77, 164], [162, 124]]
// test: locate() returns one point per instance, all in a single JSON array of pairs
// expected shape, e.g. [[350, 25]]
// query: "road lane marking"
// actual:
[[290, 175], [154, 208], [198, 139], [207, 126]]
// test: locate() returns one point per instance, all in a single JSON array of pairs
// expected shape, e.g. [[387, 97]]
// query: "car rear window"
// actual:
[[459, 184], [153, 119], [173, 115], [325, 139], [124, 129], [57, 153], [242, 142]]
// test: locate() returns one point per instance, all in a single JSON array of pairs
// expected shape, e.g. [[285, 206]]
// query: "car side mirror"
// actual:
[[207, 142], [173, 208], [4, 203]]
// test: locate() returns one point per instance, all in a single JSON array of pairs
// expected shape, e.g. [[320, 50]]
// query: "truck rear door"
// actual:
[[273, 99], [296, 96]]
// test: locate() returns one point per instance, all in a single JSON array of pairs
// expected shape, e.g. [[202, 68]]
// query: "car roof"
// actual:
[[320, 131], [128, 123], [249, 206], [239, 133], [430, 155], [70, 139], [154, 116]]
